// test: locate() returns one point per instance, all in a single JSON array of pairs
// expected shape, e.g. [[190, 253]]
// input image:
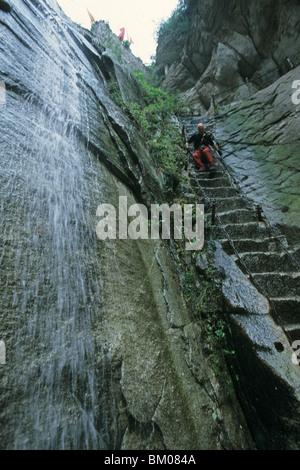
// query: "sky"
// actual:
[[140, 18]]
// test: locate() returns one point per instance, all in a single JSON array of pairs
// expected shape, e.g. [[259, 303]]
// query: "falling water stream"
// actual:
[[50, 280]]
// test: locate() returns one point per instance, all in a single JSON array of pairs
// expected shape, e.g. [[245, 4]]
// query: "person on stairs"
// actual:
[[202, 141]]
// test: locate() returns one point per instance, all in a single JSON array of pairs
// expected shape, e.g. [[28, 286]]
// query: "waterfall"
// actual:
[[50, 280]]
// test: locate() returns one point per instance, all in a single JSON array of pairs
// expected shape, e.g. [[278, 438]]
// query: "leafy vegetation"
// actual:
[[172, 33], [155, 120], [126, 44], [201, 301], [115, 94], [179, 21], [205, 299], [153, 117], [153, 113], [161, 132]]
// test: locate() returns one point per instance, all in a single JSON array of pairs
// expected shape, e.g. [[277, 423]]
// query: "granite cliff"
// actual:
[[220, 45]]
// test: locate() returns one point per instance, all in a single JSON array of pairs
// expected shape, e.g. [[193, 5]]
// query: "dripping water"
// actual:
[[50, 279]]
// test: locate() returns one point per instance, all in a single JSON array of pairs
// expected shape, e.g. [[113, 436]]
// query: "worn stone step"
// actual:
[[215, 182], [221, 192], [279, 284], [207, 175], [236, 216], [293, 333], [286, 310], [257, 230], [245, 245], [252, 244], [198, 175], [261, 262], [229, 203], [208, 180]]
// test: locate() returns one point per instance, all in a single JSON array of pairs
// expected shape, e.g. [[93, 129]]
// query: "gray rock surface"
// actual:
[[260, 139], [227, 42], [103, 38], [240, 294]]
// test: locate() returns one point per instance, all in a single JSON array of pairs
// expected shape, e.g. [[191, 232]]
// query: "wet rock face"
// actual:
[[240, 294], [261, 146], [229, 41], [100, 349]]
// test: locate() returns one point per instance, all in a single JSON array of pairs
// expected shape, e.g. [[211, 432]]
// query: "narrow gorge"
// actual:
[[140, 344]]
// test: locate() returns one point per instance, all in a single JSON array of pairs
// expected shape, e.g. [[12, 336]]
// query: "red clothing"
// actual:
[[203, 155]]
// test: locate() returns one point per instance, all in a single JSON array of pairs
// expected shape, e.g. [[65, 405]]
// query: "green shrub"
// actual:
[[161, 134], [126, 44], [172, 33]]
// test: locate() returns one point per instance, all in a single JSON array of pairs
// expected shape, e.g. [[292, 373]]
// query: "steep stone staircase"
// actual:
[[245, 234]]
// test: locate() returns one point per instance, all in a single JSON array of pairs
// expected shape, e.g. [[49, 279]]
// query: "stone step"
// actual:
[[237, 216], [206, 175], [256, 230], [220, 192], [250, 244], [286, 310], [279, 284], [207, 181], [215, 182], [293, 332], [229, 203], [195, 172], [261, 262]]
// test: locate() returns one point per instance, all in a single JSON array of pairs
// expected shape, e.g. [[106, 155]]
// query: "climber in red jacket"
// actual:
[[202, 154]]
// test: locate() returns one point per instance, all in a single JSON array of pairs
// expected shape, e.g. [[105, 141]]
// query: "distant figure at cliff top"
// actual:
[[202, 141]]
